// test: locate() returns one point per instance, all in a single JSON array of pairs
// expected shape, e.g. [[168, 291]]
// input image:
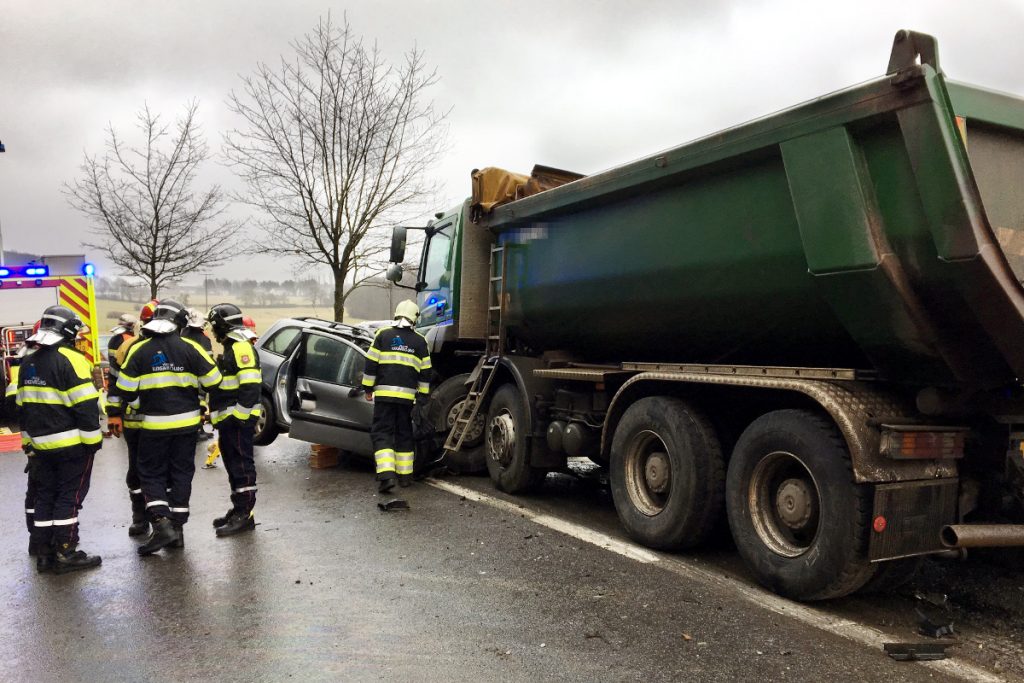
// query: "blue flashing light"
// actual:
[[432, 301], [88, 270], [36, 271], [5, 272]]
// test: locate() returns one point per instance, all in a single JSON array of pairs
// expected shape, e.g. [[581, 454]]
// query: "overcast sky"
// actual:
[[577, 85]]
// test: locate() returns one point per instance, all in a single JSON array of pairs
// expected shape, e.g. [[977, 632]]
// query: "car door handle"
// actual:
[[307, 401]]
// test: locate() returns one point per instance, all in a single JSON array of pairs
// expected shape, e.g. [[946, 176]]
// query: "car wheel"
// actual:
[[266, 425]]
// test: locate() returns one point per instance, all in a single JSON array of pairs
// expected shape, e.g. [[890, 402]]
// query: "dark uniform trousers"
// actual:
[[391, 434], [166, 465], [131, 440], [30, 496], [61, 481], [236, 451]]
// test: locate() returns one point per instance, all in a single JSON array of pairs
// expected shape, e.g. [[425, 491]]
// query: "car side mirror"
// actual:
[[398, 237], [394, 273]]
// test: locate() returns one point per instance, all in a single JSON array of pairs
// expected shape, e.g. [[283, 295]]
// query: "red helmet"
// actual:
[[249, 322], [146, 314], [35, 328]]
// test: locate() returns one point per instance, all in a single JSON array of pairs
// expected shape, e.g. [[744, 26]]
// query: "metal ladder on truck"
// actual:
[[483, 374]]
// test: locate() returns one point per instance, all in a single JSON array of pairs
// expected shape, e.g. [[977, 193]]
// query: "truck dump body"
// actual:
[[865, 229]]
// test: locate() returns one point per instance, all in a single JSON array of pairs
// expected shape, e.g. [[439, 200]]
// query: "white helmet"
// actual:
[[196, 319], [407, 309]]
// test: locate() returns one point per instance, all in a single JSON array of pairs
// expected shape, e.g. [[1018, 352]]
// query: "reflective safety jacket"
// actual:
[[397, 365], [164, 373], [238, 395], [58, 405]]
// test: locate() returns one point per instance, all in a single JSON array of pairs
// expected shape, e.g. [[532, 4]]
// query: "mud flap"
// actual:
[[908, 517]]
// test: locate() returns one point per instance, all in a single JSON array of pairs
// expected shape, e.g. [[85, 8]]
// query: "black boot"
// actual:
[[386, 483], [180, 529], [45, 562], [70, 559], [239, 522], [221, 521], [140, 525], [163, 535], [405, 480]]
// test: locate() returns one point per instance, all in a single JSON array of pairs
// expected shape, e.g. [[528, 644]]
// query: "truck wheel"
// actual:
[[507, 458], [442, 409], [667, 473], [798, 519], [266, 425]]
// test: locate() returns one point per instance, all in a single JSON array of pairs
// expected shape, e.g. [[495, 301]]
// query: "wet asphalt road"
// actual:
[[330, 588]]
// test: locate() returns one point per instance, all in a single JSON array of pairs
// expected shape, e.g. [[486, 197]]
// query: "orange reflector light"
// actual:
[[879, 524], [913, 443]]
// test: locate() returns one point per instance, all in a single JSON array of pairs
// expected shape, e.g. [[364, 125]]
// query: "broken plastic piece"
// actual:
[[916, 652], [926, 626], [393, 504]]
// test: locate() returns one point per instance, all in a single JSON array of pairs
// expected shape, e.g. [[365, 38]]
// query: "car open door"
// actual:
[[327, 404]]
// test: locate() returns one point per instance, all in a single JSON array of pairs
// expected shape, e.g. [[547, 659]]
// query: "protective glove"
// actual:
[[115, 426]]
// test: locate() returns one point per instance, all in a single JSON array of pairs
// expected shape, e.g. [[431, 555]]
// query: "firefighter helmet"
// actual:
[[196, 319], [224, 318], [125, 323], [58, 324], [168, 316], [146, 314], [407, 309]]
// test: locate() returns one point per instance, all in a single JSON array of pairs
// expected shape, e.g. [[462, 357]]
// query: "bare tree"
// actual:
[[335, 142], [149, 220]]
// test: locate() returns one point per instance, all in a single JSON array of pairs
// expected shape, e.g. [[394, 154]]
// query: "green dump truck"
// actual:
[[811, 324]]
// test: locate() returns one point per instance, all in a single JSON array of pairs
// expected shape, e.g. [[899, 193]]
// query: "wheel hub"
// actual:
[[795, 503], [476, 427], [501, 439], [656, 472]]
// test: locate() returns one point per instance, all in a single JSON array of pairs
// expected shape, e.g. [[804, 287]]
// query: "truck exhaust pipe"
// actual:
[[982, 535]]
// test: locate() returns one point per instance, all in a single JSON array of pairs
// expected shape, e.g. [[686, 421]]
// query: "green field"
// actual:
[[109, 309]]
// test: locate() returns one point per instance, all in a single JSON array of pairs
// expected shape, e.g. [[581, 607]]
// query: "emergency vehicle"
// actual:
[[25, 290]]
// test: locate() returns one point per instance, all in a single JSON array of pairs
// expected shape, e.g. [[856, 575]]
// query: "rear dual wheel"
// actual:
[[667, 473], [798, 518]]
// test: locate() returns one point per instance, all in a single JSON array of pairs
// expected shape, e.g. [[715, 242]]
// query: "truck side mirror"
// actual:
[[394, 273], [398, 235]]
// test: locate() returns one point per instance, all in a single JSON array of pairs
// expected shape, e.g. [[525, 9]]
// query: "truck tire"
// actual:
[[667, 473], [507, 455], [266, 426], [442, 409], [797, 541]]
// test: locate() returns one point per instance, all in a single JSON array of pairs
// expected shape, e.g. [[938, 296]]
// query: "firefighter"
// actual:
[[127, 420], [120, 335], [194, 330], [58, 407], [11, 395], [397, 374], [235, 408], [165, 372]]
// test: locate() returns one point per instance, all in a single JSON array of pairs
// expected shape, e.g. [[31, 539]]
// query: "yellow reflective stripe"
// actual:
[[400, 358], [114, 400], [83, 392], [425, 364], [250, 376], [385, 459], [176, 421], [65, 439], [228, 382], [404, 462], [12, 390], [212, 377], [368, 380], [160, 380], [126, 382], [423, 387], [49, 395], [373, 354], [389, 393]]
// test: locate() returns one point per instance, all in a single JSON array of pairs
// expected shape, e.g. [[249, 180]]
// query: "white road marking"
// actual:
[[819, 619]]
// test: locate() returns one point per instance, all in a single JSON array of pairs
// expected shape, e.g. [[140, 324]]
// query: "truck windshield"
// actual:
[[997, 158], [436, 264]]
